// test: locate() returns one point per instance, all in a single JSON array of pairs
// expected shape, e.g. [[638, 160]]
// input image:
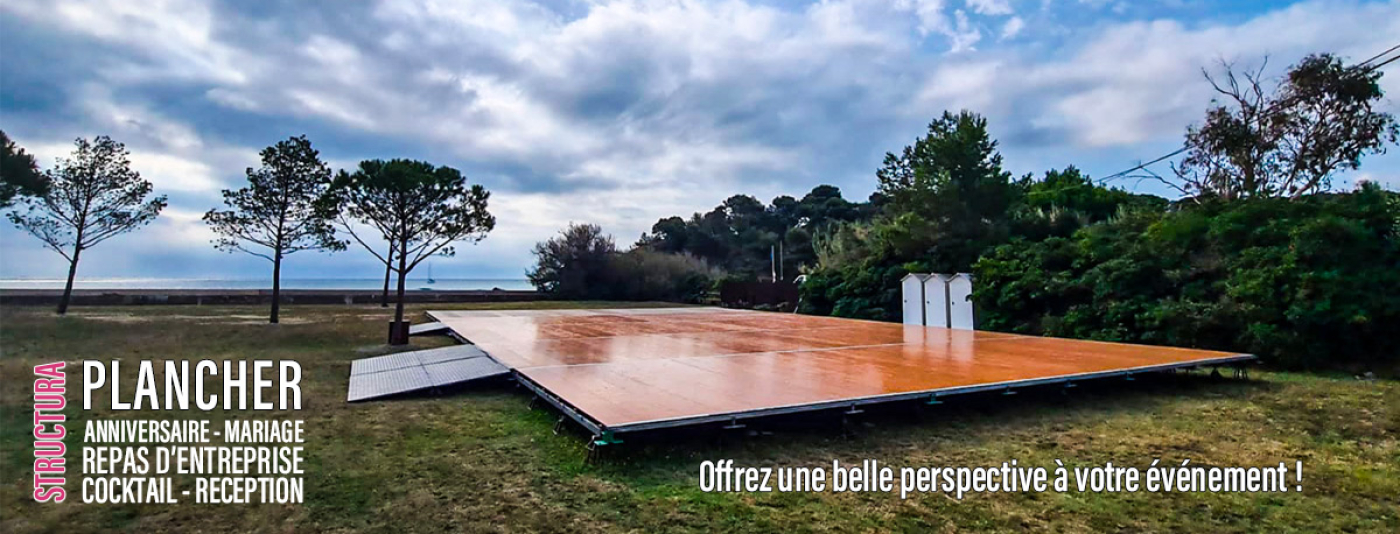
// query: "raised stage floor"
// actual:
[[625, 370]]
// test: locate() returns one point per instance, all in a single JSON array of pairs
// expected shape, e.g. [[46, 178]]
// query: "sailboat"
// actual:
[[430, 279]]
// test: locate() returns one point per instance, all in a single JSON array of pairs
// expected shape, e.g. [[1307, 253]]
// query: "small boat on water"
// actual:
[[430, 279]]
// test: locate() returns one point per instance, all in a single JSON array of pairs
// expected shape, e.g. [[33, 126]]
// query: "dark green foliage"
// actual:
[[1313, 282], [19, 174], [572, 265], [869, 293], [583, 263], [741, 234], [643, 275], [949, 198]]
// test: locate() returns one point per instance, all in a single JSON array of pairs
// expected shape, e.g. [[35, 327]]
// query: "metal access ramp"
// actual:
[[423, 329], [405, 372]]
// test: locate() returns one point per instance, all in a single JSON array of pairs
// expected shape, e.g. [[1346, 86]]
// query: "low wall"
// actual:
[[117, 297]]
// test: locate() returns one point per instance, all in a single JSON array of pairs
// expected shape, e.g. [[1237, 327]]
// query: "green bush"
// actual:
[[641, 274], [1306, 283], [582, 262]]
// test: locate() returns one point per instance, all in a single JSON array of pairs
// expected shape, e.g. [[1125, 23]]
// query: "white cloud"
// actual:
[[175, 36], [1012, 28], [173, 173], [625, 111], [990, 7], [1141, 81]]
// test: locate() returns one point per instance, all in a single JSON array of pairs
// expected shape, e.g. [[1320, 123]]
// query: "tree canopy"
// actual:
[[739, 234], [421, 209], [281, 211], [19, 173], [569, 264], [1289, 140], [91, 197]]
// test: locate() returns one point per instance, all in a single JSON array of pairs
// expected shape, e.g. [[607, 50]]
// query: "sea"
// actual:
[[413, 283]]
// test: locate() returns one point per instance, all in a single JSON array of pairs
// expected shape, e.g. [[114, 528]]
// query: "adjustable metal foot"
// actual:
[[599, 444], [594, 455], [559, 425]]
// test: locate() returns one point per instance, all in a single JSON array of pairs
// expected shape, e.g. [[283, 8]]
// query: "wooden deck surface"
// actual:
[[626, 367]]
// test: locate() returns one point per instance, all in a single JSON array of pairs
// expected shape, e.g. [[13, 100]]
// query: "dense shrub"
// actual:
[[1306, 283], [583, 263], [573, 264], [641, 274]]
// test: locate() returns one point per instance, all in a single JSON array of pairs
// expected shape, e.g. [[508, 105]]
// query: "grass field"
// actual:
[[484, 461]]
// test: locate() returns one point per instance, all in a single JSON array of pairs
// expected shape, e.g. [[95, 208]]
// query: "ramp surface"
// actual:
[[406, 372], [635, 369], [427, 328]]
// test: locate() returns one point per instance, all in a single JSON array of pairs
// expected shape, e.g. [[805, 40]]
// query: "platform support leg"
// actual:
[[849, 423], [1241, 372], [722, 438], [559, 425], [594, 454]]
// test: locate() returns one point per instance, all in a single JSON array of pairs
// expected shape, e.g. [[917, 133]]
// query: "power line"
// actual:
[[1142, 166], [1383, 63], [1373, 58]]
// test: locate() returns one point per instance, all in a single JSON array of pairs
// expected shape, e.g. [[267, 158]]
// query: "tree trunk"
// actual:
[[388, 268], [398, 304], [68, 288], [276, 285]]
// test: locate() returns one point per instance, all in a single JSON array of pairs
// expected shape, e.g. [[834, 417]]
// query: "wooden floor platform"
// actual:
[[636, 369]]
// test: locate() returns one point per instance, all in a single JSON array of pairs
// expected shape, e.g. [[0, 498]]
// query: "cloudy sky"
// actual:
[[614, 112]]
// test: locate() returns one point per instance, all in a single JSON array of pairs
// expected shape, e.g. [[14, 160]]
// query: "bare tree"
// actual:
[[92, 196], [1288, 140], [281, 210]]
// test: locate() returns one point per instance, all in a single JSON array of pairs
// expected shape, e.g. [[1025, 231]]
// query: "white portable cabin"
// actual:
[[960, 314], [912, 288], [936, 300]]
